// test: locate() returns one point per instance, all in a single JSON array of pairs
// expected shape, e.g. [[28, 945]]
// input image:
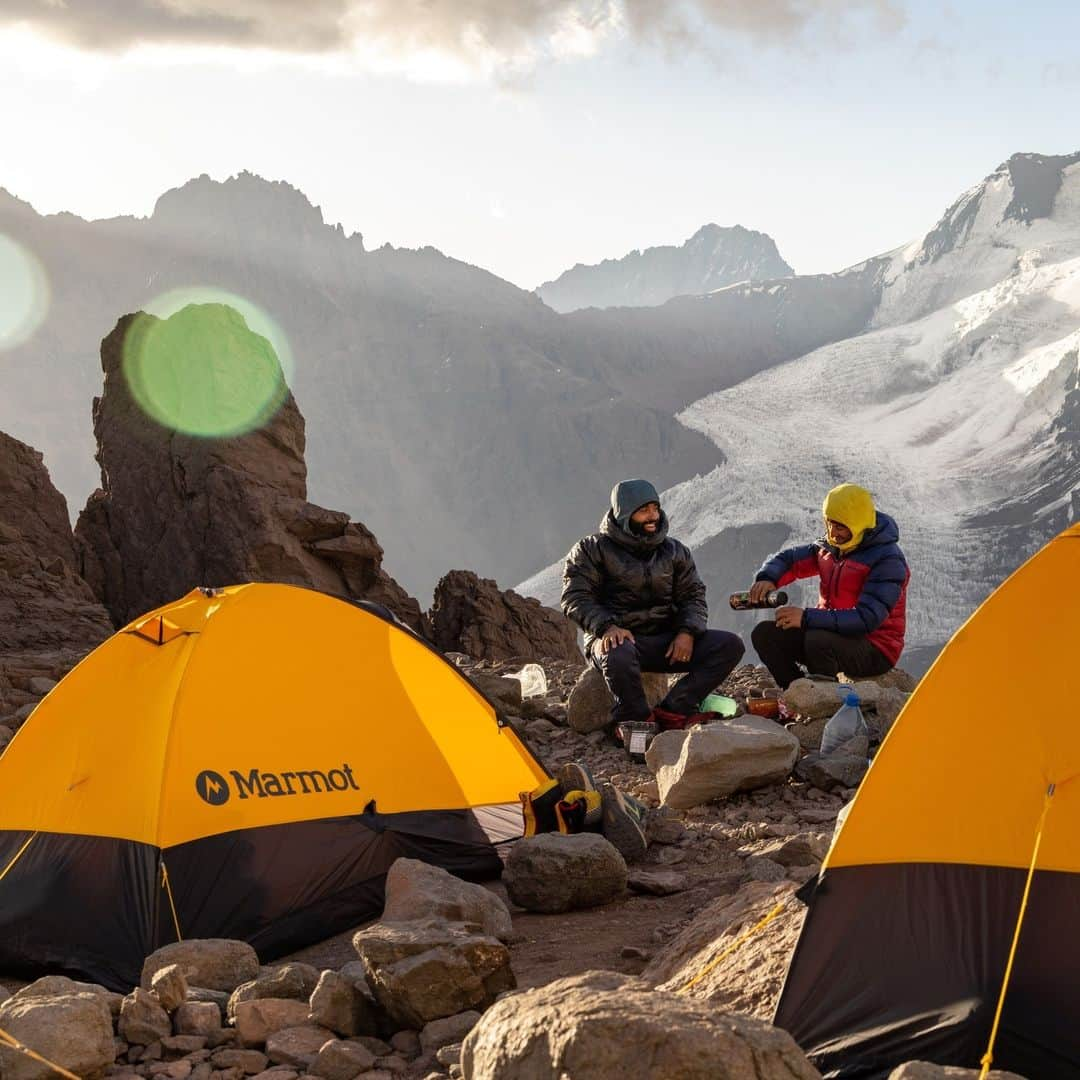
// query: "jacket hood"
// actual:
[[630, 495], [884, 531], [852, 506], [639, 545]]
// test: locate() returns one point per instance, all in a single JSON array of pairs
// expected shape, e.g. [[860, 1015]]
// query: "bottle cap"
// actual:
[[851, 698]]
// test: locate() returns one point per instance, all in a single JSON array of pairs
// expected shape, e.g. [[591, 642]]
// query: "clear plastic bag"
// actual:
[[533, 680]]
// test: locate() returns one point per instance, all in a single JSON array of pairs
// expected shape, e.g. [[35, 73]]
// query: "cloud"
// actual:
[[489, 34]]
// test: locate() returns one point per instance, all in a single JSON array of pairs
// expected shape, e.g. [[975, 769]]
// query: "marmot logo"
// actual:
[[212, 787]]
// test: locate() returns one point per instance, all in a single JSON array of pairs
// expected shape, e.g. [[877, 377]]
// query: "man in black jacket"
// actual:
[[637, 595]]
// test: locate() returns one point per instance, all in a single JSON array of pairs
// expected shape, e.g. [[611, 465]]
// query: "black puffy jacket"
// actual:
[[647, 584]]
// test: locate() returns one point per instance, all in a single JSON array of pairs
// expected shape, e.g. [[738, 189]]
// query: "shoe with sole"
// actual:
[[622, 826], [575, 776]]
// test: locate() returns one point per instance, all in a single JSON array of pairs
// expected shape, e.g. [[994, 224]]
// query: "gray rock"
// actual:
[[74, 1030], [449, 1055], [40, 685], [337, 1004], [554, 873], [337, 1060], [450, 1029], [297, 1045], [142, 1019], [418, 890], [425, 970], [604, 1026], [258, 1019], [505, 693], [197, 1018], [170, 986], [406, 1043], [812, 699], [656, 882], [214, 963], [713, 760], [761, 869], [844, 768], [296, 981], [924, 1070], [250, 1062], [589, 706]]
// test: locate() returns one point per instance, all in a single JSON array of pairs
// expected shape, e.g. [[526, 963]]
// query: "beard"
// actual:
[[638, 528]]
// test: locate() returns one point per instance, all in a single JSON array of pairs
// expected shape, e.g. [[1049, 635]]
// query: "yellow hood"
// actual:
[[852, 506]]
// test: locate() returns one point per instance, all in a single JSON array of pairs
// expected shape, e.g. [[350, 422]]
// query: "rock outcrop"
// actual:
[[472, 615], [604, 1026], [554, 873], [44, 604], [177, 510]]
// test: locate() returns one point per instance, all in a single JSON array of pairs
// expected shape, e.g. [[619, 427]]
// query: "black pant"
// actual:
[[822, 651], [716, 652]]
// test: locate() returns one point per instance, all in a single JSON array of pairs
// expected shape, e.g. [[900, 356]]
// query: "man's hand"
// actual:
[[614, 636], [681, 648], [789, 618], [759, 590]]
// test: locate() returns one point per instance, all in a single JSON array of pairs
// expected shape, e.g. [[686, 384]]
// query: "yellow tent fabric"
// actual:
[[266, 749], [903, 952], [265, 682]]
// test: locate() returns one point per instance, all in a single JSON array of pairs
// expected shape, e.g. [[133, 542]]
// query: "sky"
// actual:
[[525, 136]]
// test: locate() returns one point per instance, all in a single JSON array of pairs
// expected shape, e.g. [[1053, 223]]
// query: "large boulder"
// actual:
[[881, 699], [45, 605], [472, 615], [589, 706], [710, 761], [418, 890], [177, 510], [338, 1003], [607, 1026], [425, 970], [142, 1019], [213, 963], [924, 1070], [748, 979], [554, 873], [74, 1030], [296, 981]]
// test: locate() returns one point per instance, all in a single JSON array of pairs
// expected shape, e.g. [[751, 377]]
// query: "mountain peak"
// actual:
[[714, 257], [244, 201]]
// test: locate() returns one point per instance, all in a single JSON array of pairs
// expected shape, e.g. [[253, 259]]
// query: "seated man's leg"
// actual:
[[716, 652], [829, 654], [780, 651], [621, 669]]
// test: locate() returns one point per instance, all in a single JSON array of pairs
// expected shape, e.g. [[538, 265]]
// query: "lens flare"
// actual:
[[24, 293], [203, 371]]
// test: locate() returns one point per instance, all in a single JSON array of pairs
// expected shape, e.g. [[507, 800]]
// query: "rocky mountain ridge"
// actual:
[[711, 259]]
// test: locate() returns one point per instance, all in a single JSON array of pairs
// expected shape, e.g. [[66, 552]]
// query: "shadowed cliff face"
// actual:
[[177, 511], [462, 419]]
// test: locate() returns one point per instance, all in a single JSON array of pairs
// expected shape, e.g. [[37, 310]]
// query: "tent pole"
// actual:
[[988, 1058]]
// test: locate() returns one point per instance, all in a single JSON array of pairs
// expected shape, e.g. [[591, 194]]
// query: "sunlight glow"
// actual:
[[24, 293]]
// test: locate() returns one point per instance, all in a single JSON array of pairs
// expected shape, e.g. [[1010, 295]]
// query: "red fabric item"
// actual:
[[842, 582]]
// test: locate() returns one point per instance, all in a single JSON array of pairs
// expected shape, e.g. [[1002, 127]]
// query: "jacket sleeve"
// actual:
[[692, 612], [790, 564], [581, 600], [878, 597]]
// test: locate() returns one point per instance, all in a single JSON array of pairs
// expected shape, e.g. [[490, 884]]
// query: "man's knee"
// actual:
[[619, 658], [721, 643], [764, 633], [820, 651]]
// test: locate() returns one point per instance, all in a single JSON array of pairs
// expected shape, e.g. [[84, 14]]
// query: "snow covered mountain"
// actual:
[[958, 407], [712, 258]]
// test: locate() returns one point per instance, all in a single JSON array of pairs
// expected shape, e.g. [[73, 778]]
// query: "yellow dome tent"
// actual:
[[904, 951], [247, 763]]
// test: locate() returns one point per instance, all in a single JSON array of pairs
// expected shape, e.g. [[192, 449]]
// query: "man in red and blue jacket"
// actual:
[[858, 625]]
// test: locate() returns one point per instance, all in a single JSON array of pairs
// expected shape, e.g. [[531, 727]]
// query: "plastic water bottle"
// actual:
[[844, 724]]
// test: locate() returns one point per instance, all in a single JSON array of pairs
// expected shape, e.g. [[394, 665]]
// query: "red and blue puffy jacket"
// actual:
[[863, 592]]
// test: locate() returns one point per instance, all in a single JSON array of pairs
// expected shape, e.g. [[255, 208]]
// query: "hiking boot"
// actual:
[[623, 827], [579, 811], [667, 720], [538, 808], [575, 776]]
